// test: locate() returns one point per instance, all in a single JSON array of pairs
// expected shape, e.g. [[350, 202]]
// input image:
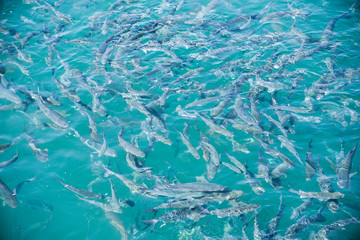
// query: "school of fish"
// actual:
[[212, 89]]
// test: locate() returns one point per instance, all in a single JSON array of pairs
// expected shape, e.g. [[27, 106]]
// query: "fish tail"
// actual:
[[150, 222]]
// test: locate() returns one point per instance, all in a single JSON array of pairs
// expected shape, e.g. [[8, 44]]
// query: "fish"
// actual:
[[303, 222], [114, 201], [274, 223], [59, 14], [300, 209], [237, 163], [328, 229], [117, 223], [310, 164], [255, 184], [21, 56], [8, 195], [128, 147], [326, 186], [10, 161], [9, 95], [264, 170], [321, 196], [271, 86], [106, 207], [235, 211], [104, 146], [133, 186], [95, 145], [280, 170], [27, 38], [54, 116], [194, 214], [4, 146], [189, 145], [216, 128], [41, 154], [195, 187], [343, 172], [257, 233], [191, 202], [240, 111], [216, 111], [81, 192]]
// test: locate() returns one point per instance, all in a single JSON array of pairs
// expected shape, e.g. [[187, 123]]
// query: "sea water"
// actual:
[[47, 210]]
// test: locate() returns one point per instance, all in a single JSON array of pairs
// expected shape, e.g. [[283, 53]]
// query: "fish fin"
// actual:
[[103, 147], [150, 222], [122, 131], [352, 174], [332, 165]]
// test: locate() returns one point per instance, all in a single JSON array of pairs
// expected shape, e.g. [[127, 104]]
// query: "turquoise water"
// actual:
[[154, 43]]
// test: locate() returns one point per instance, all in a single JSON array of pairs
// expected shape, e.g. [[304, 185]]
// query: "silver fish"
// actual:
[[9, 95], [257, 232], [189, 145], [328, 229], [216, 128], [300, 209], [133, 186], [95, 145], [321, 196], [128, 147], [8, 195], [54, 116], [8, 162], [216, 111], [194, 214], [302, 223], [81, 192], [4, 146], [290, 146], [310, 165], [237, 163], [343, 172], [106, 207], [274, 223], [326, 186], [235, 211], [41, 154], [117, 223]]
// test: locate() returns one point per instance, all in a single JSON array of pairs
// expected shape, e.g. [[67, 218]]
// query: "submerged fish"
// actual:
[[8, 195], [235, 211], [322, 196], [343, 172], [128, 147]]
